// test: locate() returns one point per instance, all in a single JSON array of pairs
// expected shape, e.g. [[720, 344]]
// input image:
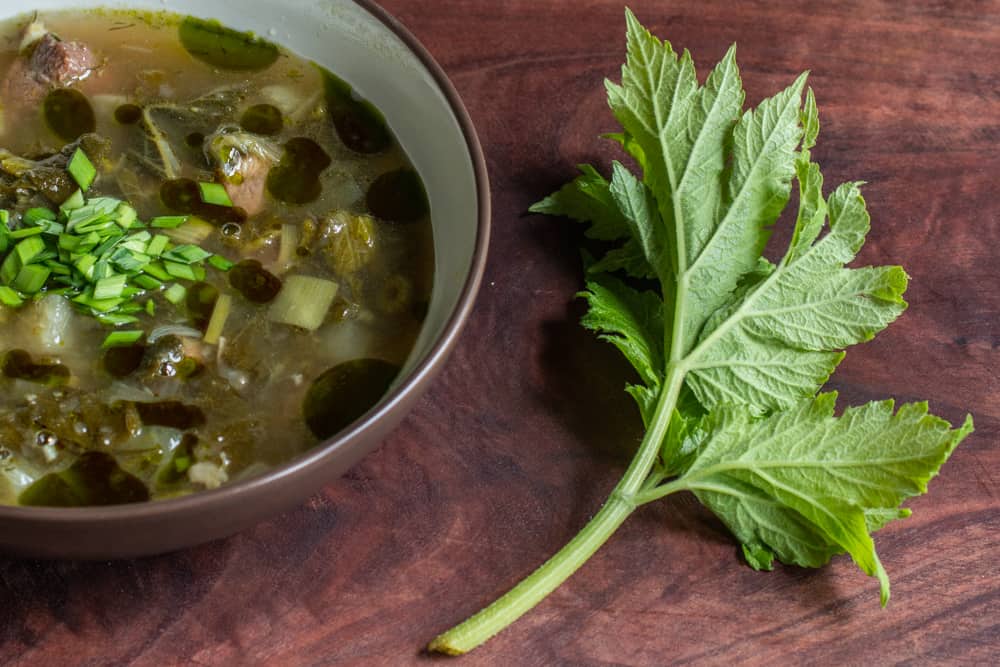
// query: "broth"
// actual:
[[288, 291]]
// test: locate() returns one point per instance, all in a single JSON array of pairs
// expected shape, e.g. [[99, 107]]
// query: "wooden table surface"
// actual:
[[527, 430]]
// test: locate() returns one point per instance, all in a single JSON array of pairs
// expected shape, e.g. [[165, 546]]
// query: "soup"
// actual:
[[214, 255]]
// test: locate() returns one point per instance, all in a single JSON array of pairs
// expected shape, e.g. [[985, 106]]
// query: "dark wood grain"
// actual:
[[527, 430]]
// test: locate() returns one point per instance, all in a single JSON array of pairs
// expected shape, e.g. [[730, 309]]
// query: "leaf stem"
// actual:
[[661, 491], [536, 586]]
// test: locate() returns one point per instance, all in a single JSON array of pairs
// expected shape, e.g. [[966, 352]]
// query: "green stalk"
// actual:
[[560, 567]]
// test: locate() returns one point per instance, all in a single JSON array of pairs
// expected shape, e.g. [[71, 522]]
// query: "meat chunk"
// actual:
[[249, 193], [49, 63], [244, 161]]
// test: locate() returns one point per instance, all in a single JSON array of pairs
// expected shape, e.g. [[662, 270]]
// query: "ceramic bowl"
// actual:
[[363, 44]]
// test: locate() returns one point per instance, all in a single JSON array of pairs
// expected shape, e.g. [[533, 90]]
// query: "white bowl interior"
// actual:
[[348, 40]]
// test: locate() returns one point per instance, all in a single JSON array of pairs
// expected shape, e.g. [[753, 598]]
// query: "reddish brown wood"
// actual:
[[525, 433]]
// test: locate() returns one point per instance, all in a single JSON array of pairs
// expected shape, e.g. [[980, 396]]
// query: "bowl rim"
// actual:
[[417, 381]]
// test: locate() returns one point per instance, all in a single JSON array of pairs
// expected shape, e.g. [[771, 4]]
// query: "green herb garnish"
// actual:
[[97, 253], [215, 194], [733, 349], [82, 170], [122, 338]]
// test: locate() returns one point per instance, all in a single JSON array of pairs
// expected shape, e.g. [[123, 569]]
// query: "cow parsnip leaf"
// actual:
[[733, 349], [805, 484]]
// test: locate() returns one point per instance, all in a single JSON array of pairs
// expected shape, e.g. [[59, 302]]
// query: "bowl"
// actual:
[[363, 44]]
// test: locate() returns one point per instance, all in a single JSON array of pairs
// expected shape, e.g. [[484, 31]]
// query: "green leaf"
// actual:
[[587, 198], [629, 258], [758, 557], [780, 341], [630, 320], [806, 484], [225, 48], [681, 132], [638, 206]]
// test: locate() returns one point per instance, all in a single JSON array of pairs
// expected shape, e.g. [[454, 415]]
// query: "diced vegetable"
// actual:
[[25, 232], [215, 194], [82, 170], [121, 338], [74, 202], [31, 278], [186, 254], [147, 282], [178, 270], [157, 245], [168, 221], [9, 297], [126, 216], [290, 239], [156, 270], [195, 231], [223, 306], [220, 262], [4, 230], [110, 288], [35, 215], [303, 302], [175, 294]]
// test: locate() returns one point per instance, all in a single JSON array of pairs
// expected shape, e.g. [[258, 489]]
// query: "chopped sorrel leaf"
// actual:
[[732, 350]]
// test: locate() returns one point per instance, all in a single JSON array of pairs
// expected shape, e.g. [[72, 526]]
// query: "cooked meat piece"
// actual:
[[249, 194], [52, 63], [244, 160]]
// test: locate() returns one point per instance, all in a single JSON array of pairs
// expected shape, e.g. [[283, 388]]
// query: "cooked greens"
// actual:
[[732, 348]]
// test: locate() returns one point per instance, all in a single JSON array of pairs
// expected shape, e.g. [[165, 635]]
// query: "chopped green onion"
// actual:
[[157, 245], [85, 265], [25, 232], [4, 230], [121, 339], [175, 294], [127, 215], [157, 270], [35, 215], [213, 193], [147, 282], [59, 267], [217, 323], [220, 262], [303, 302], [195, 231], [82, 170], [74, 202], [186, 254], [110, 288], [116, 319], [29, 249], [31, 278], [9, 297], [102, 270], [96, 253], [178, 270], [9, 269], [52, 228], [129, 261], [168, 221], [100, 305]]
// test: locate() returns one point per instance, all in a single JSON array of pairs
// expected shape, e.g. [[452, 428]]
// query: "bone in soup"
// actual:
[[213, 255]]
